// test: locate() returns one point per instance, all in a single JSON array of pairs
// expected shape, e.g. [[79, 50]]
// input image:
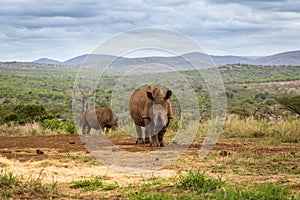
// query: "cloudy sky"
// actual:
[[60, 29]]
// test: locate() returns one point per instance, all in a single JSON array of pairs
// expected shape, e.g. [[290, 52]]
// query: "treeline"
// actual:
[[19, 113], [50, 90]]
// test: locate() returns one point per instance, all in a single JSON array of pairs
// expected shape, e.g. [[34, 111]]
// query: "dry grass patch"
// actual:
[[29, 129]]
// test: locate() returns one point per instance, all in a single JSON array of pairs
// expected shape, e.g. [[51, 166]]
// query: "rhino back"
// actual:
[[105, 116]]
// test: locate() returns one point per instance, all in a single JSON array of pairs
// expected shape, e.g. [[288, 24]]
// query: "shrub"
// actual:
[[55, 124], [197, 182], [69, 126], [21, 113], [52, 124], [291, 103]]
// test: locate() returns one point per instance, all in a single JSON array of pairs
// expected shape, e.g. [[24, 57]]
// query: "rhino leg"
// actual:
[[140, 139], [154, 141], [154, 138], [161, 138], [82, 129], [147, 136], [88, 129], [103, 127]]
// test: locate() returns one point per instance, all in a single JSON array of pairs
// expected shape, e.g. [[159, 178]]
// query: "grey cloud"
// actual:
[[48, 8], [220, 25], [266, 5]]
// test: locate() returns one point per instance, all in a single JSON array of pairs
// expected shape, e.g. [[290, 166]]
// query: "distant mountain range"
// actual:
[[47, 61], [285, 58]]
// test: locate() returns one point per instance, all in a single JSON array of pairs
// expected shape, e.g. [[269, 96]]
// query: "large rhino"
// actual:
[[151, 108], [98, 118]]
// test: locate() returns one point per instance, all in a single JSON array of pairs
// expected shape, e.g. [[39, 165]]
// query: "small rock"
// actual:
[[38, 151], [225, 153], [295, 167], [174, 142], [156, 159]]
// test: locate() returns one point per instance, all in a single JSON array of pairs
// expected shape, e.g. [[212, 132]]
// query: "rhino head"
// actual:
[[158, 110]]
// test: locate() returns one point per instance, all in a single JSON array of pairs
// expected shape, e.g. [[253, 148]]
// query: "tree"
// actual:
[[85, 94], [291, 103]]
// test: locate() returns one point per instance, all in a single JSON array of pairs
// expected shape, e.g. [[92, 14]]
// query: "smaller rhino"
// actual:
[[98, 118]]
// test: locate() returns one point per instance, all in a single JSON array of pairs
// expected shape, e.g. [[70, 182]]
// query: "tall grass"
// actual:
[[28, 129], [249, 127], [286, 131], [11, 187], [234, 127]]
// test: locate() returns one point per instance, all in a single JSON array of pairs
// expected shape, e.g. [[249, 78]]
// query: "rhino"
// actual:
[[151, 108], [98, 118]]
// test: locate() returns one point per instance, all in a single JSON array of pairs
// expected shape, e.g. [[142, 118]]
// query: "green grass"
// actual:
[[88, 184], [93, 184], [197, 182], [195, 185], [268, 191], [111, 186]]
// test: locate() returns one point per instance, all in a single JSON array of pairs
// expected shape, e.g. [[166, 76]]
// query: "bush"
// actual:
[[52, 124], [55, 124], [291, 103], [69, 126], [21, 113]]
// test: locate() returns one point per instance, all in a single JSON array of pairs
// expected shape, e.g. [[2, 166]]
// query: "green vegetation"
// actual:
[[194, 185], [197, 183], [94, 184], [250, 90], [244, 73], [88, 185], [262, 106], [24, 113], [19, 113], [291, 103], [281, 131]]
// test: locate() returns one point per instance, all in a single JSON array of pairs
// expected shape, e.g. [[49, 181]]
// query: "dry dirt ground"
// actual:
[[64, 159]]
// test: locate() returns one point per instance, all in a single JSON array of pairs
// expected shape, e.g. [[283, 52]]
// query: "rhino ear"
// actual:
[[169, 94], [150, 95]]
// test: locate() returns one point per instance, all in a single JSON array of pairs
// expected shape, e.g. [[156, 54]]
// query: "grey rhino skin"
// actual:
[[98, 118], [151, 108]]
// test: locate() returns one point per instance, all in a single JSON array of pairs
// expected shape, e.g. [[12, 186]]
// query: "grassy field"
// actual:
[[256, 157]]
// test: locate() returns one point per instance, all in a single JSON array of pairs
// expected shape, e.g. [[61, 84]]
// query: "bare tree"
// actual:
[[85, 94]]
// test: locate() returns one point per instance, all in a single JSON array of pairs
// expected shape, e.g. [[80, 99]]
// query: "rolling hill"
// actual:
[[47, 61], [285, 58], [179, 62]]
